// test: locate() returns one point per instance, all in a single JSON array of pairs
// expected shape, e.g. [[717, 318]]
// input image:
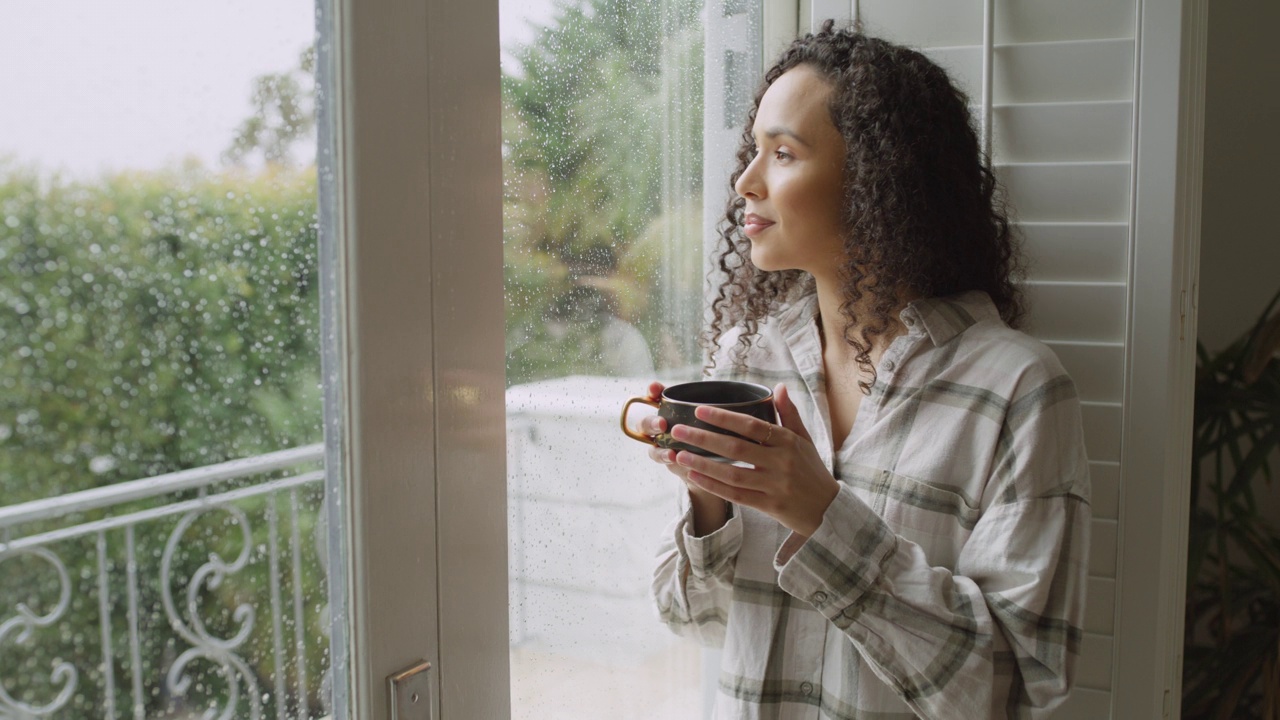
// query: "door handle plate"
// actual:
[[411, 692]]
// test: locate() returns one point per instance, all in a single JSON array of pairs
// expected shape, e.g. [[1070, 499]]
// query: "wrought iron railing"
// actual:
[[189, 622]]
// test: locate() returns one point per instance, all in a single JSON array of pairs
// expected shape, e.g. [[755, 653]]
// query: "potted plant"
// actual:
[[1231, 665]]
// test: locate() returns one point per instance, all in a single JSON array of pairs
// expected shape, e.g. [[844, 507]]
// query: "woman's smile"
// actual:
[[754, 225]]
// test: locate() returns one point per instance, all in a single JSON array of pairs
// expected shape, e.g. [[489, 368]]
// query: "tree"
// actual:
[[284, 116], [587, 118]]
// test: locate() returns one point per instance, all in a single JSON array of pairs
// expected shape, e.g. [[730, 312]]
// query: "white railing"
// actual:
[[31, 531]]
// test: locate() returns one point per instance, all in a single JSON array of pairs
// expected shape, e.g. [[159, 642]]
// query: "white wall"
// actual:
[[1240, 242]]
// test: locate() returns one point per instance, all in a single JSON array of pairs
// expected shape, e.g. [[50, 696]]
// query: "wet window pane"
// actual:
[[604, 127], [159, 316]]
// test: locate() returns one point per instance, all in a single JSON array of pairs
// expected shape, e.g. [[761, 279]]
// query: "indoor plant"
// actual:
[[1231, 665]]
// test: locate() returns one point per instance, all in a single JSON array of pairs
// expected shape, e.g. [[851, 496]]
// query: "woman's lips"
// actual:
[[754, 225]]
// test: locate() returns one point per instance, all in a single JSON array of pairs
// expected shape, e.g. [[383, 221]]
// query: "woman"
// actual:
[[911, 539]]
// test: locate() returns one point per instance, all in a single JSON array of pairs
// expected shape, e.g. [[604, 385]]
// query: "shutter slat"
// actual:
[[1102, 549], [1076, 251], [1104, 481], [1045, 72], [1064, 71], [1100, 606], [1080, 131], [1070, 192], [1097, 369], [1085, 704], [1094, 666], [964, 65], [1076, 312], [1028, 21], [950, 22], [1102, 430]]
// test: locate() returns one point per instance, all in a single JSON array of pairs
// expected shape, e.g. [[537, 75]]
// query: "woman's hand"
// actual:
[[788, 481], [652, 425], [709, 511]]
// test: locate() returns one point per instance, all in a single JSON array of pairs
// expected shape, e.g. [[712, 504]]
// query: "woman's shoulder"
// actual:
[[989, 345]]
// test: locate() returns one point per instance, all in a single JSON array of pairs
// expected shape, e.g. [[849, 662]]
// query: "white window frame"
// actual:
[[416, 200], [418, 181], [1164, 267]]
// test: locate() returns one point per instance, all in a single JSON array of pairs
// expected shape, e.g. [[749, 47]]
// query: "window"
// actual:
[[162, 536], [605, 217]]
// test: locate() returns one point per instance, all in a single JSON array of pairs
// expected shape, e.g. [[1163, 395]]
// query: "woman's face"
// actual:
[[793, 186]]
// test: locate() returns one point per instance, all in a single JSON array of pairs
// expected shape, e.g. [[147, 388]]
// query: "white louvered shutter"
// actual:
[[1052, 85]]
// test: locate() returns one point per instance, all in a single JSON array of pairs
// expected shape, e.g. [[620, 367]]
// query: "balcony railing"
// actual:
[[187, 641], [201, 593]]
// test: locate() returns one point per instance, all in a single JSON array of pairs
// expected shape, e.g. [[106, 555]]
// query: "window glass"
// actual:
[[605, 126], [159, 316]]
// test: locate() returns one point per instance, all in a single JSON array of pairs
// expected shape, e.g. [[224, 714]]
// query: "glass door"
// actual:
[[163, 549], [609, 109]]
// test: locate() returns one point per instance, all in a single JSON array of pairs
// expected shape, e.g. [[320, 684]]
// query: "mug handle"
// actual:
[[632, 433]]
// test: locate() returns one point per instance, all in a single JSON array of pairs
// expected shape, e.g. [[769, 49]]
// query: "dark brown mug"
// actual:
[[680, 401]]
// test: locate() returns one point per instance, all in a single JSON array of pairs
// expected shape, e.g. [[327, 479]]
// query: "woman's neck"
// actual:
[[832, 324]]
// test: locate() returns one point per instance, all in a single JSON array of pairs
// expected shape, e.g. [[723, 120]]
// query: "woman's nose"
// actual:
[[748, 184]]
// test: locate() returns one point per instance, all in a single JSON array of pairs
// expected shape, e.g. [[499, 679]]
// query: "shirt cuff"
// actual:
[[834, 569], [709, 553]]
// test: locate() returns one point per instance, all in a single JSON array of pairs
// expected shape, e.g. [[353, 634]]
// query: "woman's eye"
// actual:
[[782, 155]]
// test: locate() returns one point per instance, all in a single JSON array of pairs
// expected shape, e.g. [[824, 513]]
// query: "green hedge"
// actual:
[[153, 322]]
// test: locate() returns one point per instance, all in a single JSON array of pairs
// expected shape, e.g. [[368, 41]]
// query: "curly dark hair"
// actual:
[[923, 211]]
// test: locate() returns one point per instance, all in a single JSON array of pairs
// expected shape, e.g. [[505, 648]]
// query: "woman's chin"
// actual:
[[762, 260], [766, 261]]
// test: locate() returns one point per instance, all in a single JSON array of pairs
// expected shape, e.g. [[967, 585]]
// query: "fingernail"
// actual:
[[684, 458], [680, 432]]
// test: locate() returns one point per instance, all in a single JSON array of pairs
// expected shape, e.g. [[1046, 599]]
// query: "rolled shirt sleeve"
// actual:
[[693, 578]]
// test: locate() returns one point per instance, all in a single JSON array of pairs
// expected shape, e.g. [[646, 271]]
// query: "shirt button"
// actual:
[[818, 598], [889, 365], [806, 687]]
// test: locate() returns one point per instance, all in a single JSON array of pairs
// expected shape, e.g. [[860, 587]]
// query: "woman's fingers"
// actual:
[[653, 425], [747, 426], [725, 446], [738, 476], [788, 413], [731, 482], [663, 456]]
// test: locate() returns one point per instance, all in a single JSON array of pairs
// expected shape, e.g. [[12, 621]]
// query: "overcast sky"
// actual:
[[88, 86]]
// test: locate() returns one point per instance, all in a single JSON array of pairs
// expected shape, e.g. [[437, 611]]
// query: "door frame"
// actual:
[[1164, 267], [413, 191], [417, 180]]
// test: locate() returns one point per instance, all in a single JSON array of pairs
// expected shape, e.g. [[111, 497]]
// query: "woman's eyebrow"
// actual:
[[775, 131]]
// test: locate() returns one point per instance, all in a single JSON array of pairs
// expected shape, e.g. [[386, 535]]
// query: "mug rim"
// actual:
[[767, 397]]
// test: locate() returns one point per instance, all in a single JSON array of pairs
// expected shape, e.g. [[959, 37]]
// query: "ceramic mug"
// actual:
[[679, 402]]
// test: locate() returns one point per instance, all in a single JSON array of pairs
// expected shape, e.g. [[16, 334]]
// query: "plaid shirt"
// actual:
[[947, 578]]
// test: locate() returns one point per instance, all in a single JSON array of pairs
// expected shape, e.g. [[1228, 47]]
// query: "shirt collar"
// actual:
[[943, 318]]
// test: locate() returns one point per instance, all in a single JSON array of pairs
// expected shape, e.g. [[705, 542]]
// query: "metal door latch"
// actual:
[[411, 692]]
